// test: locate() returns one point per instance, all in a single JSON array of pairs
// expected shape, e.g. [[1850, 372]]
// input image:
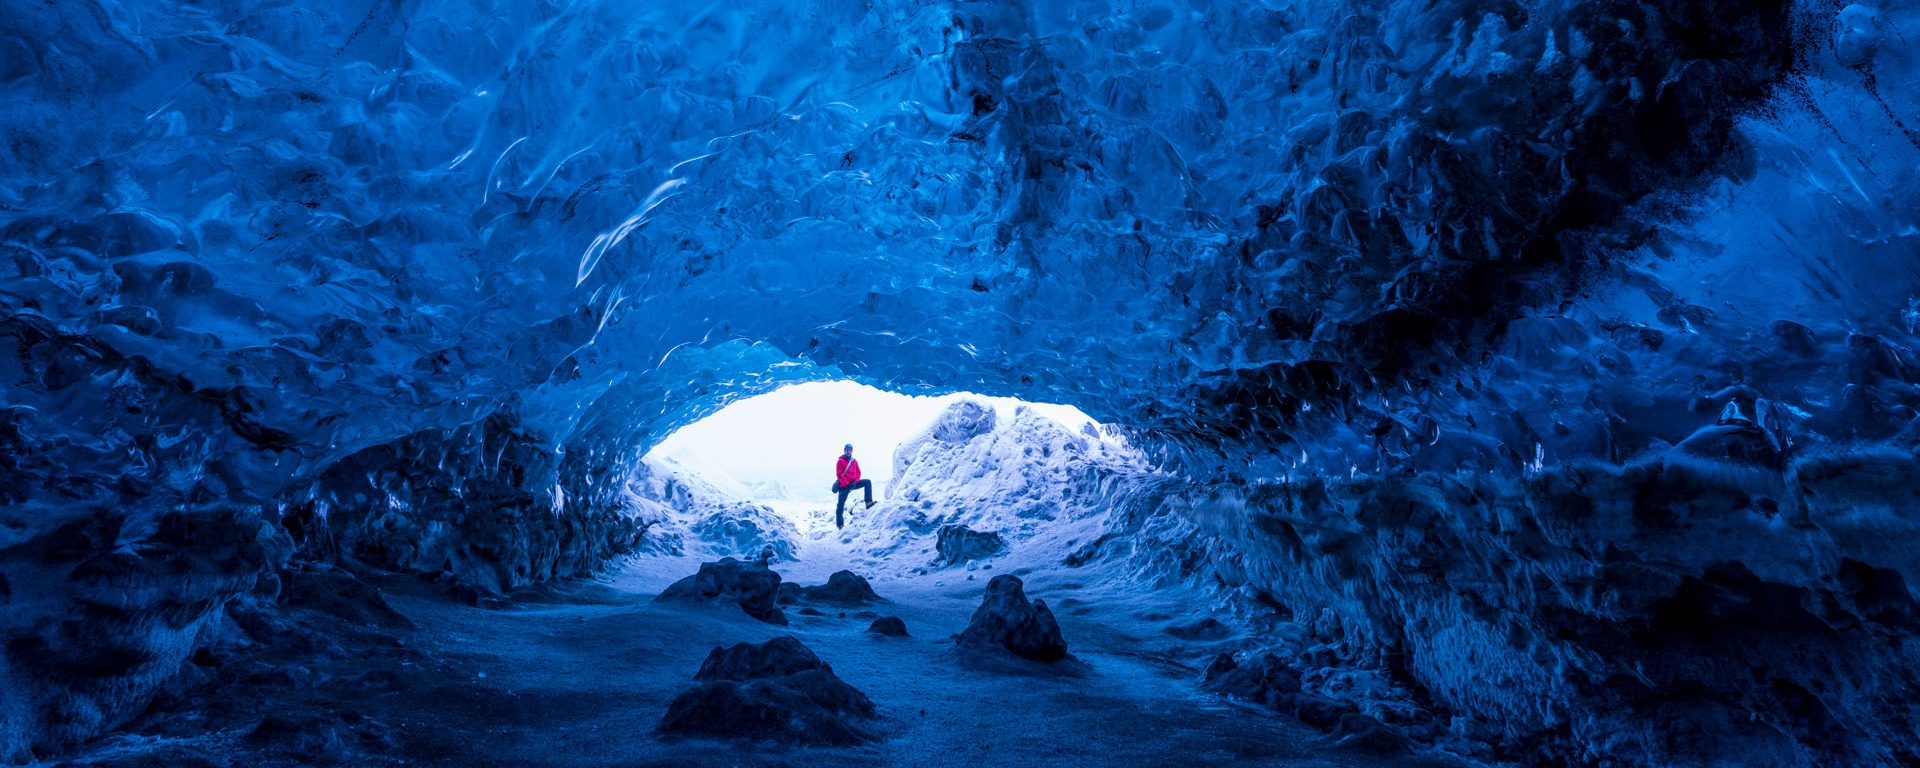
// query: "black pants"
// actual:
[[839, 510]]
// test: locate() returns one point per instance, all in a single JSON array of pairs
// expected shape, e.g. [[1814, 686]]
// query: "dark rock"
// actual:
[[810, 611], [1321, 712], [1222, 665], [781, 656], [314, 737], [1270, 679], [787, 593], [777, 690], [329, 737], [891, 626], [760, 709], [1007, 620], [340, 594], [958, 544], [462, 592], [1366, 734], [137, 605], [1261, 677], [1204, 629], [843, 588], [748, 585]]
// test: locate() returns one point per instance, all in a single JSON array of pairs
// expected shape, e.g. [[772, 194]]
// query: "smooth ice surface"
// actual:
[[1517, 337]]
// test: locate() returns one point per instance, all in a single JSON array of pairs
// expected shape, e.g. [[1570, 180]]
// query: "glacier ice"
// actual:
[[970, 486], [1519, 336]]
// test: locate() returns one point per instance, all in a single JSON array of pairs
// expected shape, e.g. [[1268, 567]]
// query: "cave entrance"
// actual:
[[778, 449]]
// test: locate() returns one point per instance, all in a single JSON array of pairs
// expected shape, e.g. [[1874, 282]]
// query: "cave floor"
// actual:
[[578, 674]]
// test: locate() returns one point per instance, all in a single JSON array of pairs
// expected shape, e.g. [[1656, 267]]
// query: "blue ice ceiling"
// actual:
[[336, 225], [273, 258]]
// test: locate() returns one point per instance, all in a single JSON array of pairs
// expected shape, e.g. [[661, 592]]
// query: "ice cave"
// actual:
[[1460, 382]]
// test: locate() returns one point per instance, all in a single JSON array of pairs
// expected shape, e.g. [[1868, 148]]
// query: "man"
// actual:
[[846, 477]]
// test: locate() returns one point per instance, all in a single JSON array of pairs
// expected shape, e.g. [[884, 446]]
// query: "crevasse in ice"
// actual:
[[1514, 333]]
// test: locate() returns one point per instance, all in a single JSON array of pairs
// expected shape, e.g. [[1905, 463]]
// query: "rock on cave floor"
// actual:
[[579, 675]]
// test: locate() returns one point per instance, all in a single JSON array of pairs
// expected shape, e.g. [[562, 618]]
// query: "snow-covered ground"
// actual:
[[1046, 489], [1088, 524], [1137, 698], [579, 674], [697, 510]]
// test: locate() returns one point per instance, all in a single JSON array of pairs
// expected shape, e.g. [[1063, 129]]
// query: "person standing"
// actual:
[[846, 477]]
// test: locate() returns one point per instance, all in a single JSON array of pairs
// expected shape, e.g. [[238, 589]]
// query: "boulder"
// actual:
[[1207, 628], [1367, 734], [891, 626], [324, 737], [788, 593], [338, 593], [959, 544], [779, 657], [1007, 620], [750, 585], [777, 690], [843, 588], [1262, 677], [1270, 679]]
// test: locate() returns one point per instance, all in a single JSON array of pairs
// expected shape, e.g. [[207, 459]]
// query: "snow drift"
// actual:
[[1029, 485]]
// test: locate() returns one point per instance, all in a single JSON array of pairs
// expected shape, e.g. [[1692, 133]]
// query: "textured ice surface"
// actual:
[[1042, 489], [420, 282], [683, 499]]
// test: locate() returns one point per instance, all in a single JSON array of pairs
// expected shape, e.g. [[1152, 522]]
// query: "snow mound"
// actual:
[[687, 499], [960, 422], [1041, 488], [767, 489]]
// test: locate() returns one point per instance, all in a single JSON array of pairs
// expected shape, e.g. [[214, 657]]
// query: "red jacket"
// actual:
[[847, 471]]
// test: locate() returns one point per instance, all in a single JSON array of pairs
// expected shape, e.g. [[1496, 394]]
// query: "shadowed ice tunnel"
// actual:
[[1551, 360]]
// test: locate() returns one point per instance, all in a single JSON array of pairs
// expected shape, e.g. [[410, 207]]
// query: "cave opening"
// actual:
[[958, 481], [780, 448]]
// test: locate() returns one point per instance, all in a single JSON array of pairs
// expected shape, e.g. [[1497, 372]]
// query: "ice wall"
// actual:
[[488, 251]]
